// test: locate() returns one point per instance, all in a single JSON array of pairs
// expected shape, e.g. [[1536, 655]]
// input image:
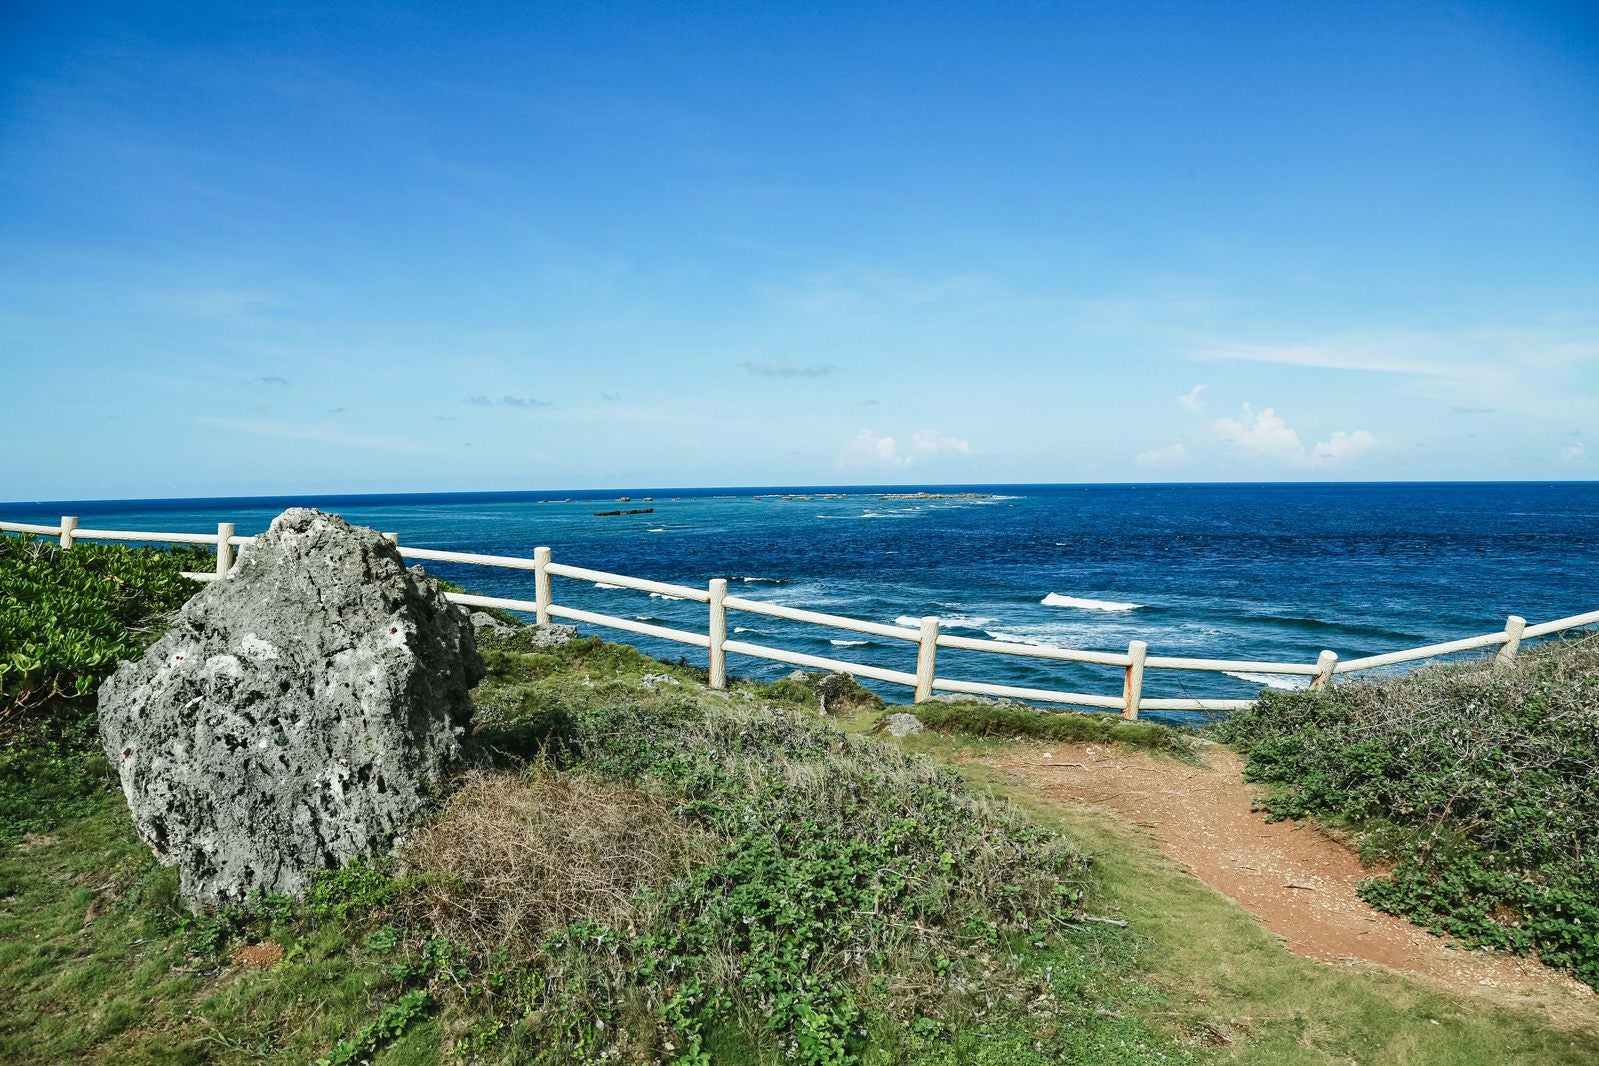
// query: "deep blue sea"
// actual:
[[1238, 571]]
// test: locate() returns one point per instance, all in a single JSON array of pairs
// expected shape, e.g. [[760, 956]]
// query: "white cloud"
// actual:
[[1265, 434], [1537, 370], [870, 449], [1174, 454], [1191, 400], [1341, 446], [883, 451], [786, 369], [1574, 453], [926, 442]]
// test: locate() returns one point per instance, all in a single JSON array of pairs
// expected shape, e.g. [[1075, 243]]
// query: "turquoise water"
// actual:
[[1239, 571]]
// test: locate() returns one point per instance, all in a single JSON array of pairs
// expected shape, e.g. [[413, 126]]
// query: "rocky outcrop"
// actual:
[[298, 716], [839, 693], [902, 724], [486, 626]]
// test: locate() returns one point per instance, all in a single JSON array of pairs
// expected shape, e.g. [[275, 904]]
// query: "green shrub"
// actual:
[[68, 617], [1478, 784], [791, 691], [1001, 720]]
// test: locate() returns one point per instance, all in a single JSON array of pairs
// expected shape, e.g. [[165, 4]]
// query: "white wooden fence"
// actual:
[[927, 637]]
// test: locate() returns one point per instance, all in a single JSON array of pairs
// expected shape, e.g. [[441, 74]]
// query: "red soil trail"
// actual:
[[1295, 880]]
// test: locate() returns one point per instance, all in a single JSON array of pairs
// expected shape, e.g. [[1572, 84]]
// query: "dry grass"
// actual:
[[516, 855]]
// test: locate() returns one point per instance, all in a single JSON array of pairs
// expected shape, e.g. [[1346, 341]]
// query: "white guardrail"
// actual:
[[927, 637]]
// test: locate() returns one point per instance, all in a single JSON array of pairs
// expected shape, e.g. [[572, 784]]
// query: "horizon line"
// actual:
[[767, 489]]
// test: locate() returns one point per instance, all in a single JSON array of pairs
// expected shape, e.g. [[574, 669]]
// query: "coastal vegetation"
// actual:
[[1475, 785], [641, 869], [715, 877]]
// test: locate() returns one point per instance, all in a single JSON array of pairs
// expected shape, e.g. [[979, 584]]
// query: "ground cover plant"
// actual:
[[1477, 786], [750, 883]]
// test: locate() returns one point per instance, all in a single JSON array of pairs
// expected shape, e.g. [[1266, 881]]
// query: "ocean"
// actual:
[[1276, 571]]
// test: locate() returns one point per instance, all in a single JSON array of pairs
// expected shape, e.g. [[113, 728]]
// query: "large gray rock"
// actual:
[[299, 715]]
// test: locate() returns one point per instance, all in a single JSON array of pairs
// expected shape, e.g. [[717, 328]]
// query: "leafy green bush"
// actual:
[[68, 617], [977, 719], [1479, 785]]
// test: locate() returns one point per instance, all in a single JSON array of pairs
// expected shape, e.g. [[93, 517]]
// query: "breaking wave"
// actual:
[[1055, 599], [956, 621], [1282, 681]]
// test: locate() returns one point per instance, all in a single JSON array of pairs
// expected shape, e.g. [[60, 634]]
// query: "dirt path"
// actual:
[[1299, 883]]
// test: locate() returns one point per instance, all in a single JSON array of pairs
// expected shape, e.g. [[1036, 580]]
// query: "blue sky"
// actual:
[[295, 249]]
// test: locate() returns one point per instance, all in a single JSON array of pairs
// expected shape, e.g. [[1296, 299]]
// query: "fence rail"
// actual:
[[927, 636]]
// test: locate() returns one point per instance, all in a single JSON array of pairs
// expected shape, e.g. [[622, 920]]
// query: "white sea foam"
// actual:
[[761, 580], [657, 529], [960, 621], [663, 596], [1018, 638], [848, 643], [1055, 599], [606, 585], [1283, 681], [744, 629]]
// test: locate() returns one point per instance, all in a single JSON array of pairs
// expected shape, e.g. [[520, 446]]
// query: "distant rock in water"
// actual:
[[300, 715]]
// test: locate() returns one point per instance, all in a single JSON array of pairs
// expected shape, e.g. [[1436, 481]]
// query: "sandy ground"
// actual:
[[1298, 882]]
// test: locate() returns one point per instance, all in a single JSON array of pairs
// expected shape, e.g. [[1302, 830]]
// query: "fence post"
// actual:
[[224, 548], [541, 584], [68, 524], [718, 632], [1325, 663], [1133, 688], [1513, 627], [926, 659], [392, 538]]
